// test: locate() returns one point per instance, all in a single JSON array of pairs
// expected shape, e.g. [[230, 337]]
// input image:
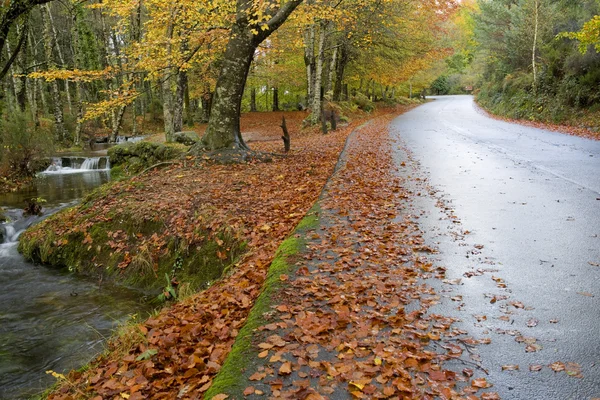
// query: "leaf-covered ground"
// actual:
[[352, 320], [176, 353]]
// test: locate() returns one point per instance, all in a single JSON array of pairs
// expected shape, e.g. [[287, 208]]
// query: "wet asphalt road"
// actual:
[[522, 205]]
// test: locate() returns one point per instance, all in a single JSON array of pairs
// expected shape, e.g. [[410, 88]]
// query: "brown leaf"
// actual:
[[481, 383], [510, 367], [286, 368], [557, 366]]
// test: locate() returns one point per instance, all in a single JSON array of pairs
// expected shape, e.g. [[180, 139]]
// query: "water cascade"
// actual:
[[69, 165]]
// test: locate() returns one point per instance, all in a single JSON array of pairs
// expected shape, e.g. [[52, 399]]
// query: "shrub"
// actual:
[[23, 144]]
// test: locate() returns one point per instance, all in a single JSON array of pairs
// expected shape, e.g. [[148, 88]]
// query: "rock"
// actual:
[[188, 138]]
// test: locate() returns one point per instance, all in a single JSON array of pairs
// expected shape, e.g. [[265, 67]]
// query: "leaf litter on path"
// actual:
[[355, 312]]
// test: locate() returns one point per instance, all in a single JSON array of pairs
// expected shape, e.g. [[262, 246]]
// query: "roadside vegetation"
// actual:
[[533, 60]]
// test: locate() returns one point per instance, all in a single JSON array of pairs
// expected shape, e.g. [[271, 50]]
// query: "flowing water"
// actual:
[[50, 319]]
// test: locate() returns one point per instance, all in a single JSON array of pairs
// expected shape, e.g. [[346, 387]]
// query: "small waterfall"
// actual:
[[69, 165], [10, 231]]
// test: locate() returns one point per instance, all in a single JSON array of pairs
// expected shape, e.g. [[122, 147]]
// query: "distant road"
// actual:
[[524, 205]]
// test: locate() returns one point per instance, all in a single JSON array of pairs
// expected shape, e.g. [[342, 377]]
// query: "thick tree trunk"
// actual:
[[179, 99], [223, 129], [167, 101]]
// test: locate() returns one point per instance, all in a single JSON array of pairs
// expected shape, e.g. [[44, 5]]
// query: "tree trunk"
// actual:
[[23, 61], [276, 99], [310, 62], [223, 129], [78, 85], [339, 72], [56, 100], [167, 100], [331, 71], [117, 119], [179, 99], [316, 106], [535, 38], [59, 52], [206, 105], [253, 100], [189, 109]]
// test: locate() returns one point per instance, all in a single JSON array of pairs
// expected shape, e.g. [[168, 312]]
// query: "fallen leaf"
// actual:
[[557, 366], [481, 383], [532, 322], [510, 367], [286, 368]]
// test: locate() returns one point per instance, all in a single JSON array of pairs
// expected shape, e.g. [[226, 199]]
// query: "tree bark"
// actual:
[[206, 105], [331, 71], [223, 129], [9, 14], [316, 106], [339, 72], [167, 100], [253, 99], [310, 62], [535, 39], [78, 85], [55, 92], [179, 99], [59, 52], [276, 99], [189, 109]]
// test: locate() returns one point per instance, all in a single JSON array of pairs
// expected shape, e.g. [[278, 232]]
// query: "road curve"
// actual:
[[522, 206]]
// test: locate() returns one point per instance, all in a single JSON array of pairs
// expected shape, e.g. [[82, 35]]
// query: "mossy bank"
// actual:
[[124, 232]]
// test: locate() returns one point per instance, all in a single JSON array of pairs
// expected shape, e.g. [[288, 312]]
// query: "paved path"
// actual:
[[522, 206]]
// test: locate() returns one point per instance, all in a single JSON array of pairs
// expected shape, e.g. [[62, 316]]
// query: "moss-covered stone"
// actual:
[[232, 378], [134, 157]]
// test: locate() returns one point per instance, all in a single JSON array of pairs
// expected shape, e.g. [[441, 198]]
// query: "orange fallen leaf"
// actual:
[[286, 368], [481, 383]]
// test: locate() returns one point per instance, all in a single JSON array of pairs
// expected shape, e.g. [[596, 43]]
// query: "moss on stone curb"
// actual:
[[232, 376]]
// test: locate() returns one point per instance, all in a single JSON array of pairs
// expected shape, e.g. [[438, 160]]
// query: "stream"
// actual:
[[51, 319]]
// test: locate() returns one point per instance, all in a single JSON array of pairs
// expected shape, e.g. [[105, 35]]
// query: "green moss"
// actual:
[[104, 246], [232, 378]]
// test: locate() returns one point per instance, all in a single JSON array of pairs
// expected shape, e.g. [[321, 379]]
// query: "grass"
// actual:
[[231, 377]]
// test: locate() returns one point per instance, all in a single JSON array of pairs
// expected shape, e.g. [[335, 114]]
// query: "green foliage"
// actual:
[[363, 102], [440, 85], [134, 157], [566, 79], [23, 144]]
